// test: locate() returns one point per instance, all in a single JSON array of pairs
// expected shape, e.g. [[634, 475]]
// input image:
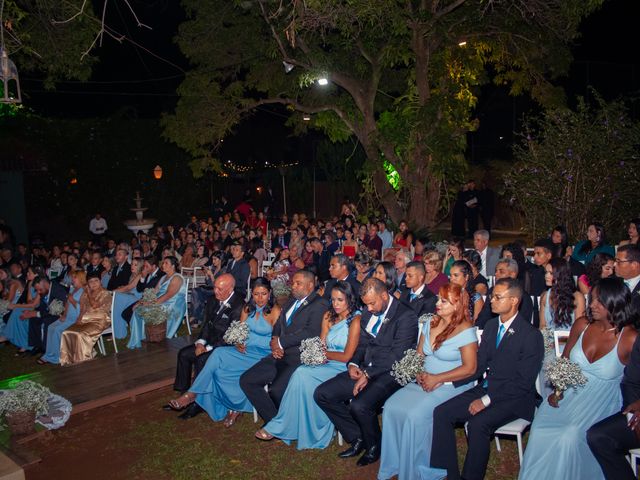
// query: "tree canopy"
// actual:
[[403, 76]]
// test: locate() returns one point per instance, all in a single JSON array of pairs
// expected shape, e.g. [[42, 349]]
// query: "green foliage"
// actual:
[[575, 167]]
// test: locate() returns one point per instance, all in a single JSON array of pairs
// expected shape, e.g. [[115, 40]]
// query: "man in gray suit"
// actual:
[[489, 255]]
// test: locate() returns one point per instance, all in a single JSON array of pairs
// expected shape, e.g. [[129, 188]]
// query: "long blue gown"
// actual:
[[17, 331], [122, 301], [407, 417], [218, 384], [54, 333], [176, 305], [557, 446], [550, 355], [299, 417]]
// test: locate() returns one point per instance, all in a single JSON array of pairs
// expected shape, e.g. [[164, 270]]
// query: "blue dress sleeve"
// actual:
[[466, 337]]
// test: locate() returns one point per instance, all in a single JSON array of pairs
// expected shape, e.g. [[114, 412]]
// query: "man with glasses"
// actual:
[[509, 360], [627, 264]]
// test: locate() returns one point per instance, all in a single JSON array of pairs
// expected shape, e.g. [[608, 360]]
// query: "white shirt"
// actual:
[[632, 282], [290, 312], [202, 341], [98, 227], [486, 400], [374, 318], [483, 256], [417, 292]]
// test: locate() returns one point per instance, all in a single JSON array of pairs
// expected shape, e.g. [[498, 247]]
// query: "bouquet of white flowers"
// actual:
[[548, 340], [27, 396], [281, 289], [4, 307], [149, 296], [564, 374], [313, 351], [407, 369], [237, 333], [56, 308]]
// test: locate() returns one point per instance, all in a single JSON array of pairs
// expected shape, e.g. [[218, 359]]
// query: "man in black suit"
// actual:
[[40, 318], [281, 238], [220, 311], [507, 268], [339, 268], [353, 399], [321, 259], [417, 295], [543, 251], [301, 318], [611, 439], [95, 266], [510, 355], [121, 272], [151, 275], [239, 268]]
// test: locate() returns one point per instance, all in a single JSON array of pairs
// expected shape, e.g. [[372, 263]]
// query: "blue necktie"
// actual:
[[412, 296], [376, 326], [293, 312], [500, 335]]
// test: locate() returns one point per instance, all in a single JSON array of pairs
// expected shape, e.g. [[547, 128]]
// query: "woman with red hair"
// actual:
[[449, 344]]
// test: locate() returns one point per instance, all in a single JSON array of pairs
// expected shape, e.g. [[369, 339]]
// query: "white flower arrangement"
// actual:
[[313, 351], [427, 317], [237, 333], [548, 340], [4, 307], [56, 308], [564, 374], [149, 296], [281, 289], [152, 312], [407, 369], [27, 396]]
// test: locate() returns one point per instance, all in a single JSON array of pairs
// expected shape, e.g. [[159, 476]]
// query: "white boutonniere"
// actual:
[[511, 331], [385, 320], [418, 296], [304, 304]]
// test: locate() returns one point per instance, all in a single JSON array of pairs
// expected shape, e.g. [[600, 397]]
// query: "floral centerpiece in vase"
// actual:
[[21, 405], [154, 316]]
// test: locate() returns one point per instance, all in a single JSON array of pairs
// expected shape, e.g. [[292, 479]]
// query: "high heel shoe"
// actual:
[[231, 419], [178, 406]]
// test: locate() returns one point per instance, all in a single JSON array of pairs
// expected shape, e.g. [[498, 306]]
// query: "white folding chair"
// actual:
[[557, 335], [187, 301], [266, 264], [634, 455], [107, 331]]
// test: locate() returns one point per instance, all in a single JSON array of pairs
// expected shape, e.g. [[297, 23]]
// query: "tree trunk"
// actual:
[[425, 200], [387, 195]]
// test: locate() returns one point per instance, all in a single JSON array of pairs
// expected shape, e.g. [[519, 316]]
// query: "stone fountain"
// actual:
[[140, 224]]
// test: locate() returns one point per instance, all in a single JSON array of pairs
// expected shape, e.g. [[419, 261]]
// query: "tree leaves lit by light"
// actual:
[[393, 177]]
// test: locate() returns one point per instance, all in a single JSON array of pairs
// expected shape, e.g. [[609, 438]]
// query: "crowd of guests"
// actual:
[[475, 314]]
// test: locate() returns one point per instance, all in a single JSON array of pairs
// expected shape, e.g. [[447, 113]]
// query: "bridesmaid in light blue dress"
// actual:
[[54, 333], [299, 418], [557, 446], [16, 331], [450, 346], [123, 298], [216, 388], [171, 295]]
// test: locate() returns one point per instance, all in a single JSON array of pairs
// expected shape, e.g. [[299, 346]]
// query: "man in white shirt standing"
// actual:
[[98, 228]]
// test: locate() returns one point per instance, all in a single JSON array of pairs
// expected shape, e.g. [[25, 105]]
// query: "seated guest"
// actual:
[[417, 295], [404, 237], [602, 266], [401, 260], [200, 295], [16, 330], [108, 264], [506, 268], [125, 297], [41, 318], [434, 278], [353, 399], [79, 339], [364, 266], [339, 268], [121, 274], [510, 355], [543, 252], [216, 388], [222, 309], [454, 253], [72, 264], [601, 345], [596, 242], [461, 275], [95, 262], [514, 251], [561, 303], [560, 239], [349, 246], [67, 319], [489, 256], [373, 242], [450, 347], [478, 282], [301, 318], [299, 418], [633, 231], [239, 268], [386, 273], [150, 277], [170, 293]]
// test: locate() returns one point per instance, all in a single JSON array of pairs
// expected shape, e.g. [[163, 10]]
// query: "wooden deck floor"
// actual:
[[110, 379]]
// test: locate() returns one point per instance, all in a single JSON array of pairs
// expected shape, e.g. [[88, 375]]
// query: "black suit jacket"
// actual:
[[397, 334], [241, 272], [216, 324], [424, 303], [512, 367], [275, 241], [120, 279], [525, 309], [630, 384], [306, 323], [57, 292], [355, 284], [150, 281], [97, 269]]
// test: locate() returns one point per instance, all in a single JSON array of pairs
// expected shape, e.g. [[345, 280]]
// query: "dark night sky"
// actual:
[[131, 78]]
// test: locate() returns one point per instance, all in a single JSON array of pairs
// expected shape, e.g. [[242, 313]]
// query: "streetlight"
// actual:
[[157, 172]]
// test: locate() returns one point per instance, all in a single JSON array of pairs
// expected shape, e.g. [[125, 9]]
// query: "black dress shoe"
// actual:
[[167, 408], [370, 456], [192, 410], [34, 351], [356, 447]]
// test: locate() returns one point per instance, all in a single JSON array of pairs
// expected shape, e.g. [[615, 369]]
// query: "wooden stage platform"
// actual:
[[110, 379]]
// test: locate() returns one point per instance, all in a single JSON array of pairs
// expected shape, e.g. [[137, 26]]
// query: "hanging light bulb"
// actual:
[[287, 66]]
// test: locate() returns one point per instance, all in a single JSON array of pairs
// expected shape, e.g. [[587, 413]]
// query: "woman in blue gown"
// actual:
[[299, 417], [171, 295], [217, 387], [54, 333], [124, 297], [450, 345], [601, 345], [16, 331]]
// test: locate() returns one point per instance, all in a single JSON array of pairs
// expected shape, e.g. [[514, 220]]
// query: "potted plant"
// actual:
[[155, 317], [20, 406]]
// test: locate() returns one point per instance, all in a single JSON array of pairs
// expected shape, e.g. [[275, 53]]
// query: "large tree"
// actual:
[[403, 76]]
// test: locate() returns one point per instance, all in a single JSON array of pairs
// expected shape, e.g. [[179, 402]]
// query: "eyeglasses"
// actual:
[[499, 297], [617, 260]]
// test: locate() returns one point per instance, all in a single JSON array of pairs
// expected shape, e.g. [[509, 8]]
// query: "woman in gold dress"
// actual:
[[95, 316]]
